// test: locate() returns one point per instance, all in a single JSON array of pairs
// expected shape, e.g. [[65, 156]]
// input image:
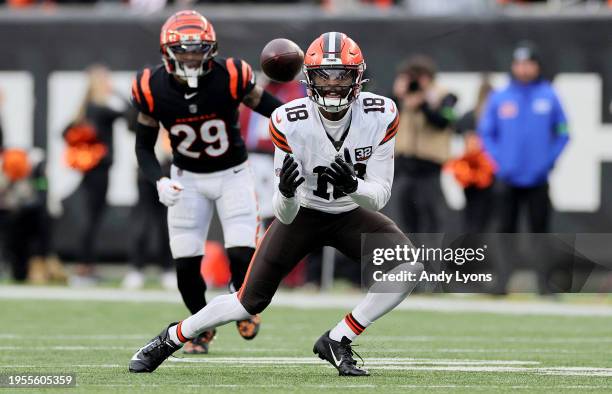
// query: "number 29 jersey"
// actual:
[[203, 122], [296, 128]]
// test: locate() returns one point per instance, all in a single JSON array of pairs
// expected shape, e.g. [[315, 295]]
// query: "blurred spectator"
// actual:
[[524, 130], [474, 170], [90, 150], [23, 199], [422, 143]]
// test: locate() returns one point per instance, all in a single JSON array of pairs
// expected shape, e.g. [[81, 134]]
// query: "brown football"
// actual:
[[281, 59]]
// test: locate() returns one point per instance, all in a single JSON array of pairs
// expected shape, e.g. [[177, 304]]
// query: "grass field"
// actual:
[[406, 351]]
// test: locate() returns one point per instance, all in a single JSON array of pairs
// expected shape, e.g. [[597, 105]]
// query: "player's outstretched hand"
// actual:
[[289, 180], [341, 174], [169, 191]]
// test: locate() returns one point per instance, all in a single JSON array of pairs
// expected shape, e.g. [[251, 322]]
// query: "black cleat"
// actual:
[[151, 355], [338, 354]]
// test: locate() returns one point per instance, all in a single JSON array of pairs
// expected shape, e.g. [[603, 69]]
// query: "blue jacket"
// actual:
[[524, 130]]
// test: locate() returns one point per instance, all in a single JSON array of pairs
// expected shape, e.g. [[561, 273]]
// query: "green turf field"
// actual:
[[405, 351]]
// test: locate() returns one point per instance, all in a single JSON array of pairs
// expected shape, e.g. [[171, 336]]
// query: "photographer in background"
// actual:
[[422, 143]]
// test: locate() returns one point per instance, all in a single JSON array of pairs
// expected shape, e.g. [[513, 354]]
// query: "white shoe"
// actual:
[[168, 280], [133, 280]]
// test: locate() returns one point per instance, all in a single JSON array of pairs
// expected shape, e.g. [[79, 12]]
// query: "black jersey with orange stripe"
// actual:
[[203, 122]]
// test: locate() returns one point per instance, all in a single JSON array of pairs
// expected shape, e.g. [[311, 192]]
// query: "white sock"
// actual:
[[219, 311], [373, 306], [172, 333], [347, 327]]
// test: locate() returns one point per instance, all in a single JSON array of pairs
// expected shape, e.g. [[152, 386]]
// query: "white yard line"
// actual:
[[357, 386], [494, 339], [317, 301], [396, 364], [265, 350], [370, 361]]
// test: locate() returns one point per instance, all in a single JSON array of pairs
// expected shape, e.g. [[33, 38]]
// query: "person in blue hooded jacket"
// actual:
[[524, 130]]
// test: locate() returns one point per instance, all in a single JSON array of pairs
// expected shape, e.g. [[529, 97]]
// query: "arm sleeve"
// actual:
[[285, 209], [559, 130], [373, 192], [267, 104], [444, 115], [146, 137], [487, 128]]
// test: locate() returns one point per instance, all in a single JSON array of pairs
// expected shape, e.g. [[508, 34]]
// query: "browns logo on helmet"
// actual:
[[188, 44], [334, 67]]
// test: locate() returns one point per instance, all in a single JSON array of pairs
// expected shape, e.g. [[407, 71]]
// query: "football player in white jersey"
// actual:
[[334, 167]]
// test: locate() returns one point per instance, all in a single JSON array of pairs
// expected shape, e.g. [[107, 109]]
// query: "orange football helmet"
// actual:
[[334, 67], [188, 44]]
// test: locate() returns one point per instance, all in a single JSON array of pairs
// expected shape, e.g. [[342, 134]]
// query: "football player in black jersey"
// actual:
[[195, 96]]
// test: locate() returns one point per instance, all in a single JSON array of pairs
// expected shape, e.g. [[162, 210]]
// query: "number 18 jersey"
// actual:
[[296, 128]]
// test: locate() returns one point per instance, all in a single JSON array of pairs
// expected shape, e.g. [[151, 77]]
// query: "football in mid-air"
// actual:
[[281, 59]]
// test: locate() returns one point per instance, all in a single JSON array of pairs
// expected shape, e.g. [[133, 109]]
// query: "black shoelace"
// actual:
[[348, 352]]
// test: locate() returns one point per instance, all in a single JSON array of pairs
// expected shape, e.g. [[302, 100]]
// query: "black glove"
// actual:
[[341, 174], [289, 177]]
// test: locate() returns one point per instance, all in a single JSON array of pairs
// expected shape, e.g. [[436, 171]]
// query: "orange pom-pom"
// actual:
[[16, 164], [84, 157], [82, 133]]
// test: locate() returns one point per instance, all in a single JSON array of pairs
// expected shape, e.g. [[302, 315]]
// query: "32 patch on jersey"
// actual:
[[364, 153]]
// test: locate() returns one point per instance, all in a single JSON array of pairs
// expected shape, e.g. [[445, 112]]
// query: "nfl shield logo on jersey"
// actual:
[[193, 108], [363, 153]]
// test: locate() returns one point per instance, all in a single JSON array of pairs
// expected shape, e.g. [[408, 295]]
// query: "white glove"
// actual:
[[169, 191]]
